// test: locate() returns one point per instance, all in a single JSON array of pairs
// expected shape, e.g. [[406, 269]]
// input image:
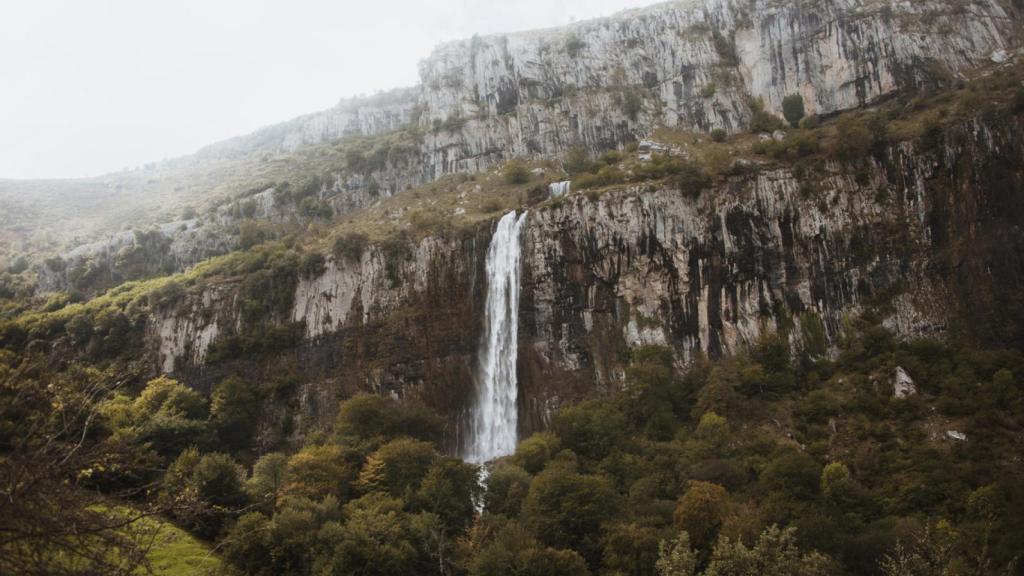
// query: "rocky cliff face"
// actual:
[[928, 233], [695, 65]]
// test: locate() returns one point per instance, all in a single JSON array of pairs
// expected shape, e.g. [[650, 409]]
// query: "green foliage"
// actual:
[[632, 104], [449, 491], [366, 416], [796, 145], [316, 472], [515, 172], [234, 410], [566, 509], [377, 539], [350, 246], [202, 490], [574, 45], [775, 552], [515, 550], [763, 121], [686, 175], [268, 479], [507, 486], [169, 415], [677, 558], [793, 109], [576, 161], [591, 429], [701, 511], [719, 135], [397, 467], [247, 545], [313, 265], [536, 451]]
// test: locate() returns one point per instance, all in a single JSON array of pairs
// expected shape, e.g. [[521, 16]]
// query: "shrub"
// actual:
[[314, 208], [718, 135], [708, 90], [577, 161], [515, 172], [761, 120], [631, 105], [690, 178], [797, 144], [350, 246], [313, 265], [853, 140], [574, 45], [793, 109]]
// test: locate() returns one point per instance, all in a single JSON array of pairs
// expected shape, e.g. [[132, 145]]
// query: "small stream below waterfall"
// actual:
[[494, 415]]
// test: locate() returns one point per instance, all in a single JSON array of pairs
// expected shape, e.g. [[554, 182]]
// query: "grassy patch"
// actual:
[[178, 553]]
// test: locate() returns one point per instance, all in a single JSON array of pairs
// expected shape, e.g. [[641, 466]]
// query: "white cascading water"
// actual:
[[494, 416], [559, 189]]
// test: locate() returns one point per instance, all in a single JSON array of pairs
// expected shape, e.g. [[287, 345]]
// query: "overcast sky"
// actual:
[[93, 86]]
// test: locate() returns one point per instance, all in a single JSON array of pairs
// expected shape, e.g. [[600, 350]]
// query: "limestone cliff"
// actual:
[[928, 233], [696, 65]]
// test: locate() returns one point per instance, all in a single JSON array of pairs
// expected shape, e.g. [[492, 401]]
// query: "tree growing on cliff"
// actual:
[[793, 109]]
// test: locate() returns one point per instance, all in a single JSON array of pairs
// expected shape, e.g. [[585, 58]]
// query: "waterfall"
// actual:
[[559, 189], [494, 416]]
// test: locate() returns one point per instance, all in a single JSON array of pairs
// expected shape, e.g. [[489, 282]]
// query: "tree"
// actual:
[[366, 416], [677, 558], [52, 446], [234, 410], [513, 550], [507, 486], [629, 548], [302, 532], [701, 511], [319, 471], [774, 554], [535, 452], [792, 474], [247, 544], [793, 109], [591, 429], [566, 509], [449, 490], [376, 540], [269, 476], [397, 467], [836, 481]]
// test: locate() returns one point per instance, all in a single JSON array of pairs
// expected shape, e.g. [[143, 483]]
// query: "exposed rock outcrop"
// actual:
[[931, 235]]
